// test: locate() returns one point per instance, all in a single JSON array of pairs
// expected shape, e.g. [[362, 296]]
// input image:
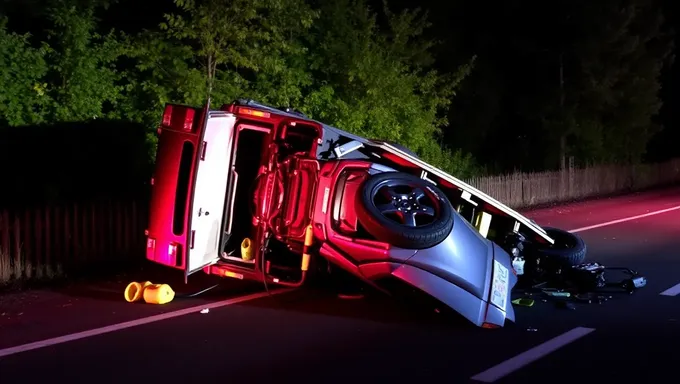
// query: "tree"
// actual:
[[330, 60], [377, 82], [83, 79], [581, 81], [234, 44], [605, 109], [22, 69]]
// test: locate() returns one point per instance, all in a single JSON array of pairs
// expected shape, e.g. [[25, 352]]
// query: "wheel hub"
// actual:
[[406, 205]]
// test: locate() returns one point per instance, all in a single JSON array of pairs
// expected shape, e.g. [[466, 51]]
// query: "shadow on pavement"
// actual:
[[370, 305], [112, 288]]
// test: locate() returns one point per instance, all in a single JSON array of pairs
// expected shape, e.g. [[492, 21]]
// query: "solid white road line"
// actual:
[[133, 323], [508, 366], [624, 220], [672, 291]]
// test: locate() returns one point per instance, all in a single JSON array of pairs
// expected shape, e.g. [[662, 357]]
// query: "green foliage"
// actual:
[[332, 60], [241, 48], [376, 83], [22, 69], [84, 80], [589, 78]]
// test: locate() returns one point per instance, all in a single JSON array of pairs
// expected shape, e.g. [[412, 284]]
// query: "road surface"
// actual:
[[312, 336]]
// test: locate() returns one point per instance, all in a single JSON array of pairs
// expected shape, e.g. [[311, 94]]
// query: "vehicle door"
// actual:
[[189, 187], [209, 192]]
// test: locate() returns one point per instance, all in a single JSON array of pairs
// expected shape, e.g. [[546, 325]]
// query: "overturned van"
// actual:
[[249, 191]]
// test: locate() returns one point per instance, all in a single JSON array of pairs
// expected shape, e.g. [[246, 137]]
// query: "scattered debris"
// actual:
[[205, 310], [524, 302], [584, 283]]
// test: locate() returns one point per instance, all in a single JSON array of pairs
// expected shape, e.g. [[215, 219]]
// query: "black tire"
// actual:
[[569, 249], [422, 218]]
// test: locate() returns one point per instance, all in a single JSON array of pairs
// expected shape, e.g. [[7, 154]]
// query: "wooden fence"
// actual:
[[521, 190], [43, 242]]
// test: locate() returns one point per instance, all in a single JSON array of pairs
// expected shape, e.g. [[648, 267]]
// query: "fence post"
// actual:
[[572, 187], [5, 258], [75, 235], [18, 264], [48, 242]]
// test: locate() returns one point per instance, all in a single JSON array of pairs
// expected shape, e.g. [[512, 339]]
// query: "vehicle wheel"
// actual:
[[569, 249], [404, 210]]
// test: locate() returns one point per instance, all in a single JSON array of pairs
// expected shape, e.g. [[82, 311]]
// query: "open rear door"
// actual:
[[209, 192], [189, 187]]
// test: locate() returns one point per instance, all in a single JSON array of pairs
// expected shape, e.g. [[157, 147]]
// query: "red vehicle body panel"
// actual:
[[283, 199], [170, 196]]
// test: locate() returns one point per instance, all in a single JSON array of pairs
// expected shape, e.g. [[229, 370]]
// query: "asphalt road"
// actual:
[[313, 336]]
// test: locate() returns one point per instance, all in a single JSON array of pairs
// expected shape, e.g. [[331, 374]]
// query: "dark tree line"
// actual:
[[558, 79], [468, 85]]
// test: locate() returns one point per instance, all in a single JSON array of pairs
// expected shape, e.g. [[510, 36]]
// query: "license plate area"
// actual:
[[499, 285]]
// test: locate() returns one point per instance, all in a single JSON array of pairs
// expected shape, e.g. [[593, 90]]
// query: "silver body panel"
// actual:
[[459, 273]]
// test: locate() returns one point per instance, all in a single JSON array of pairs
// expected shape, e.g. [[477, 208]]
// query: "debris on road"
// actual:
[[151, 293], [205, 310], [525, 302], [584, 283]]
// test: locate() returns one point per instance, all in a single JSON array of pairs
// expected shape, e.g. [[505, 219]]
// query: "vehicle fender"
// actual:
[[464, 258]]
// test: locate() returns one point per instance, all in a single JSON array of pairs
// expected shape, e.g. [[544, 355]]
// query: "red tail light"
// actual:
[[172, 251], [167, 115], [150, 248], [165, 257], [253, 112], [189, 119]]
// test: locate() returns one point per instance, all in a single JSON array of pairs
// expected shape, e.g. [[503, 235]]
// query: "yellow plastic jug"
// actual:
[[133, 292], [247, 249], [158, 294]]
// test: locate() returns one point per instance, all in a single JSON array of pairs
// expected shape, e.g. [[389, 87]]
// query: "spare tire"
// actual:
[[569, 249], [404, 210]]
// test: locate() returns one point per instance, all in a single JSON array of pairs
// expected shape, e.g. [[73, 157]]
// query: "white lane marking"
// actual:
[[624, 220], [508, 366], [672, 291], [132, 323]]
